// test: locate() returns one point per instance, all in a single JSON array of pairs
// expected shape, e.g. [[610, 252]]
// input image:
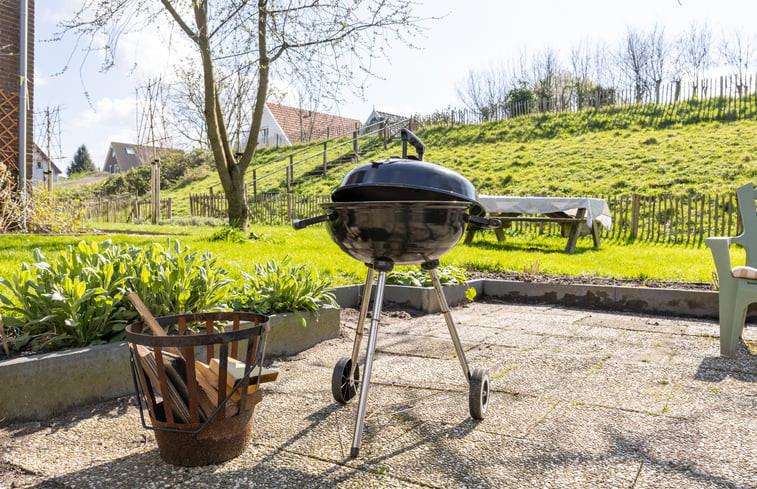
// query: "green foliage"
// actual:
[[417, 277], [230, 234], [78, 297], [280, 286], [176, 280], [75, 299], [81, 163]]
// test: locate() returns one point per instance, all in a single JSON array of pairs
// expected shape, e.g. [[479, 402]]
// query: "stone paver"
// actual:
[[580, 399]]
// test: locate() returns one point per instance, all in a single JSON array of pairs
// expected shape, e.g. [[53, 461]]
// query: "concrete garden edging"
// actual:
[[644, 300], [39, 386]]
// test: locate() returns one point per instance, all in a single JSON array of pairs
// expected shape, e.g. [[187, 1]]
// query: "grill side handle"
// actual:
[[303, 223], [409, 137], [483, 222]]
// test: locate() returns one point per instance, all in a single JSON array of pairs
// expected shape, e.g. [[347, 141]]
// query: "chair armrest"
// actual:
[[721, 255]]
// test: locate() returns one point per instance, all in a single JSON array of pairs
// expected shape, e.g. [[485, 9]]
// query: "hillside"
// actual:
[[702, 157], [561, 155]]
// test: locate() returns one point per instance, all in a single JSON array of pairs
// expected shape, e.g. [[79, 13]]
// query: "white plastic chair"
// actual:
[[738, 285]]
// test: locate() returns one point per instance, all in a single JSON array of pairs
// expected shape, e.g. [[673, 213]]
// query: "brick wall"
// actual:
[[10, 11]]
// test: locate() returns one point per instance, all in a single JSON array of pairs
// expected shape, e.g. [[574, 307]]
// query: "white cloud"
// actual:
[[109, 112]]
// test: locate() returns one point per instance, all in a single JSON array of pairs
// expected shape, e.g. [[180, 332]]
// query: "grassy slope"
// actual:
[[528, 156]]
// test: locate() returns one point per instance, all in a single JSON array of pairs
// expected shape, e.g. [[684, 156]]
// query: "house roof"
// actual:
[[305, 125], [378, 115], [44, 157], [130, 155]]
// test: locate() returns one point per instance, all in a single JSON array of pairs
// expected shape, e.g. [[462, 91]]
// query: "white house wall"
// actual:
[[270, 130]]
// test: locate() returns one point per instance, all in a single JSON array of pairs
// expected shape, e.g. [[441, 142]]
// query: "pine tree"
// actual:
[[81, 162]]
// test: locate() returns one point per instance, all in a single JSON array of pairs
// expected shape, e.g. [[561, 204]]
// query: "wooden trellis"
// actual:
[[8, 128]]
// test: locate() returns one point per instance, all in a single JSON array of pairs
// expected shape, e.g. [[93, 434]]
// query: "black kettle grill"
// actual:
[[399, 211]]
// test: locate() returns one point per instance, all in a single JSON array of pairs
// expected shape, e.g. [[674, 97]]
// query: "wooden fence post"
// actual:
[[289, 171], [254, 183], [635, 215], [385, 134], [355, 145], [325, 166]]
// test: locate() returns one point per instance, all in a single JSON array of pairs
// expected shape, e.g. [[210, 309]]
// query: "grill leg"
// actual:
[[366, 382], [361, 320], [450, 322]]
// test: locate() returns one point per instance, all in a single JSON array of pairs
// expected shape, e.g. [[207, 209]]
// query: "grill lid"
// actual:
[[403, 179]]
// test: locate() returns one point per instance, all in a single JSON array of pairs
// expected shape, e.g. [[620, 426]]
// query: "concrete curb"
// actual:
[[645, 300]]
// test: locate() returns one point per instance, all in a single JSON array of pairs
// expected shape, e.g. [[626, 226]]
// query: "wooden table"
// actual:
[[568, 211]]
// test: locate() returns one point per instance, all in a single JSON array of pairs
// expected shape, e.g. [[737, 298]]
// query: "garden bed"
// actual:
[[41, 385]]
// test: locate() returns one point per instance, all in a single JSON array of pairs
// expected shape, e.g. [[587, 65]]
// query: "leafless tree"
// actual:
[[484, 91], [545, 68], [328, 43], [738, 52], [582, 71], [693, 56], [633, 59], [659, 58]]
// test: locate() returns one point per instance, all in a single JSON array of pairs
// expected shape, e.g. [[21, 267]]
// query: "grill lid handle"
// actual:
[[408, 136]]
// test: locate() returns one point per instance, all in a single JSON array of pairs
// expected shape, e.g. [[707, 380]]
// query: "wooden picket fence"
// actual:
[[122, 208], [686, 219], [265, 208], [208, 205], [283, 208], [724, 98]]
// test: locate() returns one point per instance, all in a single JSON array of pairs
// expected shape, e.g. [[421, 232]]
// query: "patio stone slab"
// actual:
[[579, 399]]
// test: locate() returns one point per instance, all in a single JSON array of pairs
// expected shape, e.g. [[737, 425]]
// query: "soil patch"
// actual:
[[586, 280]]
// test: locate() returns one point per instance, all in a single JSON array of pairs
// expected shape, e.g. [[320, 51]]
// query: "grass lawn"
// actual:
[[314, 247]]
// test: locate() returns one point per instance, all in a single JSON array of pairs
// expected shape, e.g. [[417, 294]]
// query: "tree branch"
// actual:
[[228, 18], [184, 26]]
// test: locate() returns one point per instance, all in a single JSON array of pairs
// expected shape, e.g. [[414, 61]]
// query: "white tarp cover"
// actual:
[[596, 209]]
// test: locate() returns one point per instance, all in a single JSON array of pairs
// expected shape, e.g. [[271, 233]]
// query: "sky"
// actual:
[[95, 107]]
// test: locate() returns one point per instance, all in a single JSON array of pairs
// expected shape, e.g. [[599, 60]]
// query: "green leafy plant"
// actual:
[[78, 298], [75, 299], [280, 286], [416, 277], [176, 280], [228, 233]]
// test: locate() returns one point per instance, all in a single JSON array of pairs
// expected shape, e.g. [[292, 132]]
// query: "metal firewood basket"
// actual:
[[191, 426]]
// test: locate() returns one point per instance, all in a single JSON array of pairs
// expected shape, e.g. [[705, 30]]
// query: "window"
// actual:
[[130, 151]]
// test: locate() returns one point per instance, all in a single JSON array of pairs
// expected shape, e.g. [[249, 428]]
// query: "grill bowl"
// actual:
[[402, 232]]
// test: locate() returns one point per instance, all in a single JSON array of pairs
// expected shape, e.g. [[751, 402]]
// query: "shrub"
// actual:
[[230, 234], [79, 297], [282, 287], [416, 277], [43, 215], [76, 299]]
